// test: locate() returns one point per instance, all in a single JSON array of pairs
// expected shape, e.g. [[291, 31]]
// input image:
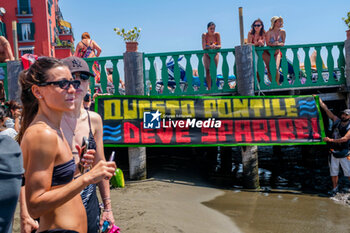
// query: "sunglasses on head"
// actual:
[[82, 76], [257, 25], [63, 84]]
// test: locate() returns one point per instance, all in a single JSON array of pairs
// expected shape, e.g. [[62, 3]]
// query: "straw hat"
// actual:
[[273, 20]]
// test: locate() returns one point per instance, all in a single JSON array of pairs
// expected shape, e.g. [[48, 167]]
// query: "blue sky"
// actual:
[[178, 25]]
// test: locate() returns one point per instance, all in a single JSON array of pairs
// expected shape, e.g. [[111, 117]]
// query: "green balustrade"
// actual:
[[296, 76], [103, 85], [180, 80], [327, 70]]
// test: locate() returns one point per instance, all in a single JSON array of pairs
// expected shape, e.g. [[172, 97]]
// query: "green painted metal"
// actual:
[[296, 67], [189, 74], [284, 65], [225, 70], [341, 60], [103, 77], [165, 76], [330, 62], [201, 72], [115, 76], [307, 65], [152, 75]]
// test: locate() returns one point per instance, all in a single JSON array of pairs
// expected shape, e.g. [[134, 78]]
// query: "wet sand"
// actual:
[[258, 212], [160, 205]]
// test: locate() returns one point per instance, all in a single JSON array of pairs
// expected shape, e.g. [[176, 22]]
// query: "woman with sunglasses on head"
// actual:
[[210, 40], [275, 37], [51, 193], [77, 124]]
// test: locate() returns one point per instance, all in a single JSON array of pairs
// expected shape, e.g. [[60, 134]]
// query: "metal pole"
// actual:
[[15, 40], [240, 9]]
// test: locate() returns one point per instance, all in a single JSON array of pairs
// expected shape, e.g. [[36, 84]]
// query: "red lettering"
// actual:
[[180, 135], [165, 134], [147, 135], [211, 135], [315, 133], [273, 130], [302, 128], [131, 133], [260, 130], [243, 131], [286, 129], [225, 129]]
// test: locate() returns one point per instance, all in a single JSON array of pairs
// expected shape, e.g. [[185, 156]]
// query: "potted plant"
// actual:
[[130, 37], [347, 22]]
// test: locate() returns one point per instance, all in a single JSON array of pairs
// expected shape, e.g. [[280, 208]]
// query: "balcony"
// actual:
[[24, 11]]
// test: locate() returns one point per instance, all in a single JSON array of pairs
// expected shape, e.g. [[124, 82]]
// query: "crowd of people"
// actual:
[[257, 36], [49, 126], [53, 118]]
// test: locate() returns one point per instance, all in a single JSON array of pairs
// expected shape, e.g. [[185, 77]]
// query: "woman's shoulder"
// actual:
[[95, 117], [40, 133]]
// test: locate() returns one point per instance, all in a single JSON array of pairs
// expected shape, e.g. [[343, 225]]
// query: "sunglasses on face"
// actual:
[[82, 76], [257, 25], [63, 84]]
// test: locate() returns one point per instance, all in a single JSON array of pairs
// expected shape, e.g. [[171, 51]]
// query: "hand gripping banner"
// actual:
[[210, 121]]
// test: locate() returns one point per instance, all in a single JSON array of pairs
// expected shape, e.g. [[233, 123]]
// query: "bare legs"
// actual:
[[206, 60], [266, 58]]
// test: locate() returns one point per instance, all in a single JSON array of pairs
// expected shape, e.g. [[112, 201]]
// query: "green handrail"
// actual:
[[327, 70], [293, 75], [180, 79]]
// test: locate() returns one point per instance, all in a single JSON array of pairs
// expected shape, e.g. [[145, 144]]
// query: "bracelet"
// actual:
[[106, 198], [107, 210]]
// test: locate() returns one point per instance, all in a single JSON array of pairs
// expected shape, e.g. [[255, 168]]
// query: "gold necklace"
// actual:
[[73, 130]]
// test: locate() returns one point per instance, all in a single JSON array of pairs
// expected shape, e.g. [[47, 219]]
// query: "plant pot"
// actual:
[[131, 46], [348, 34]]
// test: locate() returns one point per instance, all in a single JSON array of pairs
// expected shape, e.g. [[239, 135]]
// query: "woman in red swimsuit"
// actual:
[[210, 40], [256, 36]]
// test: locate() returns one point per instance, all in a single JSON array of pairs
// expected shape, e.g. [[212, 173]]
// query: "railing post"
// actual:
[[347, 69], [245, 87], [13, 70], [134, 85]]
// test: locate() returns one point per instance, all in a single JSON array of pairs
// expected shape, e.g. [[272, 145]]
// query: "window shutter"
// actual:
[[19, 32], [32, 31]]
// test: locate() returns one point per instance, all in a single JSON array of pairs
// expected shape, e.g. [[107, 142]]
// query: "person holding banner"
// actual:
[[51, 193], [339, 145], [79, 123]]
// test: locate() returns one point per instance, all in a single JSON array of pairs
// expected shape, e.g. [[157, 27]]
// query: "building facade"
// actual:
[[41, 29]]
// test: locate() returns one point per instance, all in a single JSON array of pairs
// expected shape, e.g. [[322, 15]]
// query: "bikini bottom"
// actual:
[[58, 231]]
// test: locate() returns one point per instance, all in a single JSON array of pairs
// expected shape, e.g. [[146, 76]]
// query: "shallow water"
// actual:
[[260, 212]]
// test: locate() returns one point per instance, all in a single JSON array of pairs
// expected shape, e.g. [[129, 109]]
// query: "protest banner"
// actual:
[[210, 121]]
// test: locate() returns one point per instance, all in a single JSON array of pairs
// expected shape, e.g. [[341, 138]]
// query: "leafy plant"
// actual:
[[129, 36], [347, 20]]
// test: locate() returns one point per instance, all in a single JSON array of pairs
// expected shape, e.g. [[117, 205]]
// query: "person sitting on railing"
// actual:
[[256, 36], [5, 50], [210, 40], [88, 48], [275, 37]]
